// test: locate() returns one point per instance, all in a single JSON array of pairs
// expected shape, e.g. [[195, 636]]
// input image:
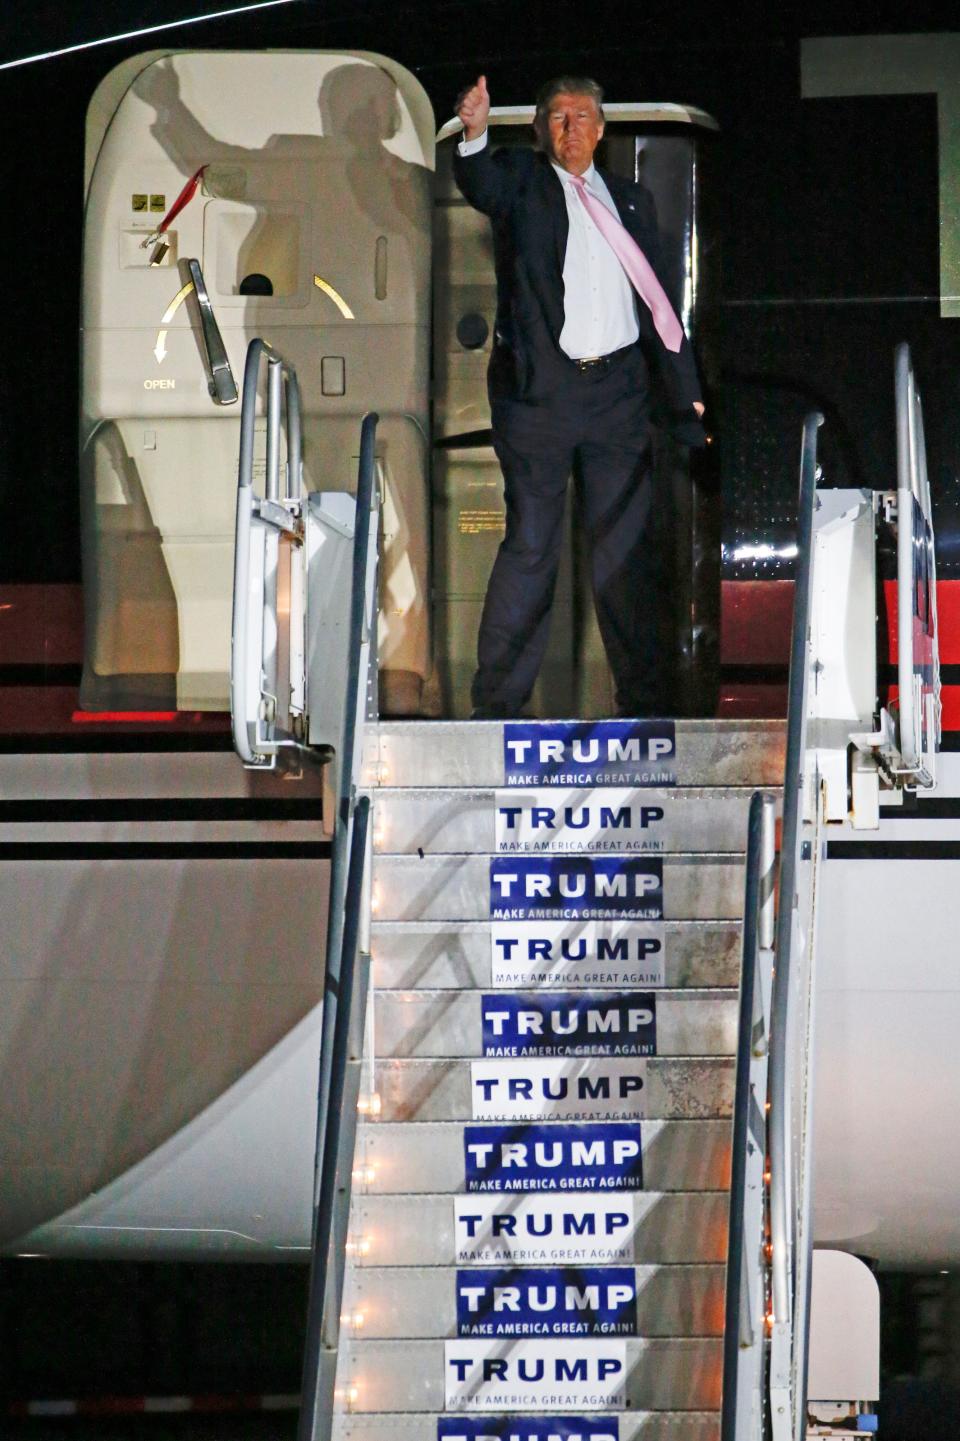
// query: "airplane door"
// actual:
[[311, 224]]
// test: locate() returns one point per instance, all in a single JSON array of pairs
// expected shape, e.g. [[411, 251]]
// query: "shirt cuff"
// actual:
[[470, 147]]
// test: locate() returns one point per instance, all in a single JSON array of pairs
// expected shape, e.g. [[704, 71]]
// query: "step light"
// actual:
[[362, 1246], [365, 1175], [353, 1320], [369, 1105]]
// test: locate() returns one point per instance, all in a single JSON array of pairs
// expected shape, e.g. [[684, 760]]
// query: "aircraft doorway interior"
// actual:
[[315, 221]]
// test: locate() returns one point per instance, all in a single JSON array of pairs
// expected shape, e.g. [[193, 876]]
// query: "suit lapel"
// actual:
[[551, 226], [555, 204]]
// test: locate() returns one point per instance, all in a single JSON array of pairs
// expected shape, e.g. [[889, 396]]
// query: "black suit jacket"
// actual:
[[523, 195]]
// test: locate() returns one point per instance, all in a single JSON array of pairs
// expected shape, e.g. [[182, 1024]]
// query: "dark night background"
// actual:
[[827, 215]]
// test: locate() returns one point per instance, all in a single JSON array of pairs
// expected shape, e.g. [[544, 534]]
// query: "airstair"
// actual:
[[563, 1153], [539, 1222]]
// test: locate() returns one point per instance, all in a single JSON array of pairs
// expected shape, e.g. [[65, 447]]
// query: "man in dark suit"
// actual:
[[568, 387]]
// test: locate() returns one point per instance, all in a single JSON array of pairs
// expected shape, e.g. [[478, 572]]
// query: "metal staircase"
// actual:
[[545, 1120], [539, 1217]]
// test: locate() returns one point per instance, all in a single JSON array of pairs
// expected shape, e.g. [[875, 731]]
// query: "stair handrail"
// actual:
[[282, 405], [744, 1343], [788, 1348], [338, 1126], [913, 502], [348, 854], [347, 773]]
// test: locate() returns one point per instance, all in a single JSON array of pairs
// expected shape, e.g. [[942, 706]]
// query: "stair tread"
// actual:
[[568, 820], [634, 1425], [440, 955], [427, 753], [546, 1228], [429, 1157], [668, 1373], [461, 888], [586, 1089], [443, 1302], [473, 1024]]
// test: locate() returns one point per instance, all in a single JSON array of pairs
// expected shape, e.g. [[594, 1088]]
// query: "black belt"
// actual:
[[600, 363]]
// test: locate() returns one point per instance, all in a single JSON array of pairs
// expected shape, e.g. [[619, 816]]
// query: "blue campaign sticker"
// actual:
[[569, 1023], [528, 1428], [547, 1301], [583, 753], [558, 1157], [566, 888]]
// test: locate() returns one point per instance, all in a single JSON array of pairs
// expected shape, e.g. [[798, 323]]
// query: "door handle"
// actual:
[[223, 387]]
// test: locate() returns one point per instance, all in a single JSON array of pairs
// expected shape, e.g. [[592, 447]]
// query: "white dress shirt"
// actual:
[[598, 300]]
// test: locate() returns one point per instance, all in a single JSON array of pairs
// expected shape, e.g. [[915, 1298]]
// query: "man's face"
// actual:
[[574, 128]]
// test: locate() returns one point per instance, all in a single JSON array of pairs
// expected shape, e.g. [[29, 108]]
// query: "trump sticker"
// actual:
[[595, 1229], [547, 1301], [589, 753], [533, 1428], [531, 1375], [571, 821], [577, 953], [553, 1158], [568, 1089], [569, 1024], [562, 888]]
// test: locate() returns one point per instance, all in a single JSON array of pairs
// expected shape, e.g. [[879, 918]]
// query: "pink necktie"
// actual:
[[638, 268]]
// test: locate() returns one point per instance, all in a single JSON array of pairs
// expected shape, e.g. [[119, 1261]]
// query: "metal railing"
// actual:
[[271, 694], [788, 1122], [343, 1004], [336, 1133], [254, 661], [918, 666], [744, 1343]]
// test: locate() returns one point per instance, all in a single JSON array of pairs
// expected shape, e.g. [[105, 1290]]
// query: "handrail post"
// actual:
[[345, 923], [782, 1179], [744, 1334], [347, 757], [274, 411], [906, 399], [294, 436]]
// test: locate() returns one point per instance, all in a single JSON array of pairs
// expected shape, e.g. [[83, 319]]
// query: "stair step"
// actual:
[[467, 1024], [556, 948], [567, 1088], [463, 888], [594, 1088], [629, 1426], [560, 820], [587, 1228], [435, 955], [429, 1158], [419, 1303], [608, 1374], [472, 753]]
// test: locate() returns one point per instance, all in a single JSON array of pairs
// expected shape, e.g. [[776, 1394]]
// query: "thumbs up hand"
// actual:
[[473, 107]]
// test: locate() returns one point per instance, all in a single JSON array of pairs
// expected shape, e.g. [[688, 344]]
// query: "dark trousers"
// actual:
[[596, 423]]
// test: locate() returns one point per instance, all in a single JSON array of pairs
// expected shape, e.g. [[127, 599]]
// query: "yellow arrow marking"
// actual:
[[160, 349], [335, 296]]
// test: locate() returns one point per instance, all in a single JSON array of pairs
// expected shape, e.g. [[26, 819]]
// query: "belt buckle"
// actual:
[[589, 361]]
